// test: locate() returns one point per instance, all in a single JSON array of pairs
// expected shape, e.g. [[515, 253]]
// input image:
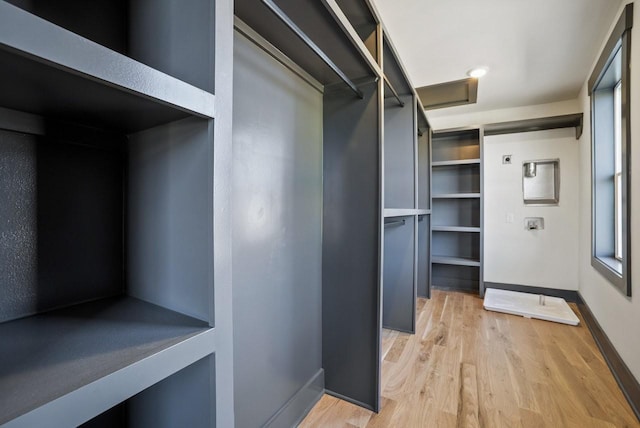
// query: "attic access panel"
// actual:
[[449, 94]]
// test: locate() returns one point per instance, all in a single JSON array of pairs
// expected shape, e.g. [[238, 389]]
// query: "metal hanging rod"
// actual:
[[393, 91], [396, 223], [301, 34]]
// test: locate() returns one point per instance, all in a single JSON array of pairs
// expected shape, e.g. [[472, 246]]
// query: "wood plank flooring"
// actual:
[[467, 367]]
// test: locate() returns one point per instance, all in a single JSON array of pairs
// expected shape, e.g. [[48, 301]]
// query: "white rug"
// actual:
[[529, 306]]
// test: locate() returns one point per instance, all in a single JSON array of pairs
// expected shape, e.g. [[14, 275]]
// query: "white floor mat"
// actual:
[[529, 306]]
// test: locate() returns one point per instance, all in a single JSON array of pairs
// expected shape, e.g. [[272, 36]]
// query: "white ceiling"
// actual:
[[537, 51]]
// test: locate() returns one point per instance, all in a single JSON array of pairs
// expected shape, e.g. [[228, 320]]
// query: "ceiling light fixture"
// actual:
[[477, 72]]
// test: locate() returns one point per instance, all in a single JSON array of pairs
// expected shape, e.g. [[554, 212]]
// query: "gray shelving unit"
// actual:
[[374, 171], [407, 190], [456, 230], [109, 314], [318, 39]]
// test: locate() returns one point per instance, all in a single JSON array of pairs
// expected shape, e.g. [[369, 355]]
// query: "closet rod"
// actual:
[[393, 91], [394, 223], [298, 32]]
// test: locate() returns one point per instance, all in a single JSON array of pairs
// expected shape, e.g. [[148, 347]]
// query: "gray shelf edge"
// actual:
[[456, 196], [351, 33], [469, 229], [455, 261], [35, 38], [456, 162], [90, 400], [537, 124], [445, 131], [401, 212]]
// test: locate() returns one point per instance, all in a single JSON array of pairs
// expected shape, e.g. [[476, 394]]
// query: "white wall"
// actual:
[[618, 315], [513, 255]]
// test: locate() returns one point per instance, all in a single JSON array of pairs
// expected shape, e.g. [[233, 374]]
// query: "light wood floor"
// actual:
[[468, 367]]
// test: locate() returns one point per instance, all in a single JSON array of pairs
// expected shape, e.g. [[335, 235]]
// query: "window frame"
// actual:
[[616, 270]]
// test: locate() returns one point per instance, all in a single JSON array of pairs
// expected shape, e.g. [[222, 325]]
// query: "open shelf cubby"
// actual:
[[47, 69], [454, 277], [464, 178], [456, 212], [106, 154]]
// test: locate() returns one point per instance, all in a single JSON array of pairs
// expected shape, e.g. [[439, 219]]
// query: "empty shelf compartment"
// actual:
[[46, 356], [461, 278], [50, 71], [465, 245], [456, 212], [455, 145], [456, 179]]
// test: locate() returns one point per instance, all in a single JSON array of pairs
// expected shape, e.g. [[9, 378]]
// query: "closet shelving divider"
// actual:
[[106, 155], [457, 209], [351, 322], [352, 37]]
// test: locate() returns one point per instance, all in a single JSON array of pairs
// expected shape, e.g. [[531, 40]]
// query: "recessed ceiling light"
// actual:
[[477, 72]]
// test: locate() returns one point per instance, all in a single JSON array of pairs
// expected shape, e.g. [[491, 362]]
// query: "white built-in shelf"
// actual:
[[456, 162], [68, 365], [456, 196], [50, 71], [458, 261], [455, 229]]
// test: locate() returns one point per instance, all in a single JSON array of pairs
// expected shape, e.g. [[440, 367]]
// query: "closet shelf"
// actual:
[[457, 261], [456, 162], [456, 196], [401, 212], [64, 360], [455, 229], [53, 72]]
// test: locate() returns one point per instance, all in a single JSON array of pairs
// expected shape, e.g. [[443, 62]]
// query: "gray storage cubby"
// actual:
[[449, 179], [455, 246], [399, 271], [454, 212], [451, 277], [182, 399], [399, 154], [456, 146], [106, 158], [456, 231]]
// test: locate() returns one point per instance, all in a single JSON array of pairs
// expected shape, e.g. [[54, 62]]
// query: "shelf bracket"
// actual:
[[396, 223], [315, 48], [393, 91]]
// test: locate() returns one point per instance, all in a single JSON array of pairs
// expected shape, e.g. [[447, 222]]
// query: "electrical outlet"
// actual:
[[506, 159]]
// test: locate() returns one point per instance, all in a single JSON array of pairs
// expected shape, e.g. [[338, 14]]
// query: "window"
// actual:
[[617, 135], [609, 88]]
